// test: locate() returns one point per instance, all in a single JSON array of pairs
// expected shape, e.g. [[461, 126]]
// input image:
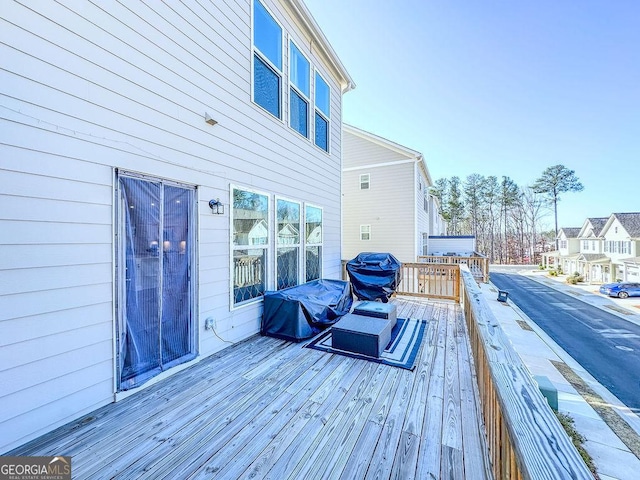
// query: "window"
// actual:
[[155, 257], [299, 91], [593, 245], [287, 244], [267, 60], [365, 232], [563, 244], [322, 112], [250, 220], [313, 242], [585, 245], [425, 205], [365, 181]]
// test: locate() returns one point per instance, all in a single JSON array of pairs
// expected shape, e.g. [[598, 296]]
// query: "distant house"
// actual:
[[621, 237], [592, 263], [387, 201], [119, 125], [568, 248]]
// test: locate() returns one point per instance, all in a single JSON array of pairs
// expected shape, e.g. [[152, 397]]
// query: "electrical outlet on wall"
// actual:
[[209, 323]]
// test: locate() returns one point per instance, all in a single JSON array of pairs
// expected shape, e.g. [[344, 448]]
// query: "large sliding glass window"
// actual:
[[288, 243], [267, 60], [155, 297], [313, 243], [299, 91], [322, 112], [250, 220]]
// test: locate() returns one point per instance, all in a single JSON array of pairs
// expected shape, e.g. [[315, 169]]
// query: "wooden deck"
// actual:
[[266, 408]]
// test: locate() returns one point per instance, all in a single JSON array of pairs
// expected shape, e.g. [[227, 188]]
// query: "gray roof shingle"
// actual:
[[630, 222]]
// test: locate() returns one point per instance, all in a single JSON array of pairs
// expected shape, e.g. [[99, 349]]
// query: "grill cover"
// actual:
[[374, 275]]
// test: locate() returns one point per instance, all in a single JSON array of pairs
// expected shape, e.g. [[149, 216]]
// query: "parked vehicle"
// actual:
[[621, 290]]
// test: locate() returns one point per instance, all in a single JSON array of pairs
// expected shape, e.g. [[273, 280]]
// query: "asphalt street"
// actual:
[[606, 345]]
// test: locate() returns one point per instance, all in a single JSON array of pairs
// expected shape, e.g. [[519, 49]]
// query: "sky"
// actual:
[[504, 88]]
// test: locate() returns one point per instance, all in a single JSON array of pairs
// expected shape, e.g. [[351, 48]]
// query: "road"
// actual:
[[606, 345]]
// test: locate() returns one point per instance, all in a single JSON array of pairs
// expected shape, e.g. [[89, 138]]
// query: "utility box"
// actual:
[[548, 390]]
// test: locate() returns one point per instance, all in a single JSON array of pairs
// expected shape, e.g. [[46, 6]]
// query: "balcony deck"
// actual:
[[267, 408]]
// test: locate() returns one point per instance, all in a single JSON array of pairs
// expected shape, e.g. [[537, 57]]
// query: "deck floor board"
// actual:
[[267, 408]]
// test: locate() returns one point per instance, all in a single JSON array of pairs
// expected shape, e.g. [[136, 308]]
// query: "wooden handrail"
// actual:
[[478, 265], [525, 439], [430, 280]]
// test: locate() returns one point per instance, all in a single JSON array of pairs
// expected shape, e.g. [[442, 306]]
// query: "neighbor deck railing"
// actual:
[[429, 280], [525, 439], [478, 265]]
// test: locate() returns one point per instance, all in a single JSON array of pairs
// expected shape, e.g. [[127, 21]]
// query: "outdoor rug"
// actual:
[[402, 351]]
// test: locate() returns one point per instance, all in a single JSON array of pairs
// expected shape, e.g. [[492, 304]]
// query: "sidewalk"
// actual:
[[542, 356]]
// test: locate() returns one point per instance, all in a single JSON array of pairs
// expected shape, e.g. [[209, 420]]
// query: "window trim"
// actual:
[[256, 51], [367, 181], [305, 244], [327, 118], [300, 240], [363, 232], [232, 248], [297, 90]]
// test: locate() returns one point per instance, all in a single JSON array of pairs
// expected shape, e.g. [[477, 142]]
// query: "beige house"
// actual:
[[386, 198]]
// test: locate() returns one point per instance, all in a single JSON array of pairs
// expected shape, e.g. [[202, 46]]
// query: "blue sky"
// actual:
[[501, 88]]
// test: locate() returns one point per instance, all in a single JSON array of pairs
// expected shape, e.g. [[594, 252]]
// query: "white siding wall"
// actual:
[[87, 88], [422, 216], [388, 205]]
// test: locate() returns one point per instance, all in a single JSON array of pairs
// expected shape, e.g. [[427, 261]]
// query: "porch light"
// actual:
[[216, 206]]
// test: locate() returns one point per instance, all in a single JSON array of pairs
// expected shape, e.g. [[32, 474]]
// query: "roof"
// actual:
[[595, 224], [594, 257], [396, 147], [633, 260], [570, 232], [320, 42], [630, 222]]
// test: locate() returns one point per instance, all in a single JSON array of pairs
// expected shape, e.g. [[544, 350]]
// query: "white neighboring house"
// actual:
[[386, 198], [621, 237], [592, 263], [118, 126]]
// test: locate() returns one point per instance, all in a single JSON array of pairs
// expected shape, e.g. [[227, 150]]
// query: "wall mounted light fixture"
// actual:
[[216, 206], [208, 119]]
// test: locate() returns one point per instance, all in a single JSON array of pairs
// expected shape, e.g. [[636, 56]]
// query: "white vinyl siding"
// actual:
[[88, 90]]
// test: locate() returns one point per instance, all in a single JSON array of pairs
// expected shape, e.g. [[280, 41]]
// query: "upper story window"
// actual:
[[322, 112], [365, 232], [563, 244], [299, 91], [365, 181], [267, 60]]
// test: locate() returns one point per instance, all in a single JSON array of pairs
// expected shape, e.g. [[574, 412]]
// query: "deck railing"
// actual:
[[525, 439], [429, 280], [478, 265]]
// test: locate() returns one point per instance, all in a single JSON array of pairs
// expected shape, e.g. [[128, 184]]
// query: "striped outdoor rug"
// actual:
[[402, 351]]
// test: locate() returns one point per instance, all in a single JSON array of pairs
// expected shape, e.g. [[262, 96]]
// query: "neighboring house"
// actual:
[[621, 237], [592, 263], [118, 126], [386, 198], [568, 248]]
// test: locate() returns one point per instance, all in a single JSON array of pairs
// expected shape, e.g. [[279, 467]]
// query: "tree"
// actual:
[[509, 197], [554, 181]]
